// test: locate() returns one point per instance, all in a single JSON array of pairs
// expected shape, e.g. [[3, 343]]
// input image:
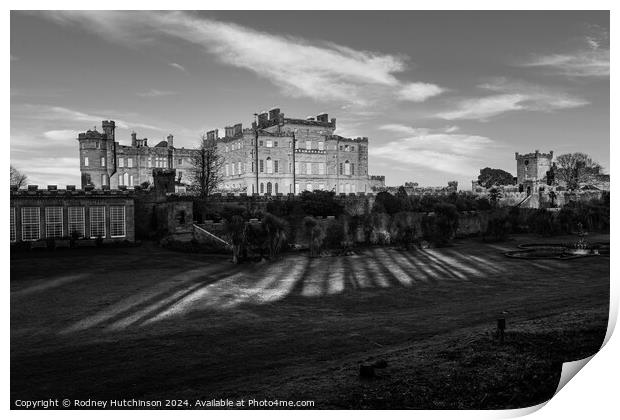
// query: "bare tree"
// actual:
[[18, 178], [576, 168], [206, 167]]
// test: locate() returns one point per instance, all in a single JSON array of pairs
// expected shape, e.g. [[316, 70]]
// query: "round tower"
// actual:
[[94, 161]]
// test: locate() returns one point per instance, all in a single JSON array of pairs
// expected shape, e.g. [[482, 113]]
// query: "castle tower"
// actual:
[[533, 166], [98, 155]]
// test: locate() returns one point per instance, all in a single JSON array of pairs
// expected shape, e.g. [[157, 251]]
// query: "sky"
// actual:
[[440, 95]]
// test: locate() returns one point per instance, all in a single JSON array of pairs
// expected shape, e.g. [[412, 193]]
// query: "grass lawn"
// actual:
[[154, 324]]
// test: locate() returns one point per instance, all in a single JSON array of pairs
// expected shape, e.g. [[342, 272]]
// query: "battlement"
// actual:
[[340, 138], [534, 155], [70, 190]]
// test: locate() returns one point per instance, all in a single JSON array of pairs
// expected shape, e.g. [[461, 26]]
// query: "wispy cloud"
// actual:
[[322, 71], [419, 92], [511, 96], [58, 113], [590, 60], [153, 93], [60, 135], [437, 149], [177, 66]]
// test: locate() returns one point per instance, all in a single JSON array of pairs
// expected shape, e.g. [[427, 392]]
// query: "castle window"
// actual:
[[262, 187], [149, 163], [125, 179], [347, 168], [269, 143], [309, 187], [104, 179], [269, 188], [296, 188], [252, 166], [275, 144], [96, 145], [239, 167], [102, 161], [179, 161], [31, 227], [352, 169], [341, 170], [269, 166], [53, 222], [321, 169], [320, 145], [13, 232], [261, 166], [129, 162], [120, 162], [85, 160], [341, 148], [97, 221], [276, 186], [276, 166], [260, 142], [75, 217], [117, 221], [309, 168], [296, 167], [226, 169], [353, 188]]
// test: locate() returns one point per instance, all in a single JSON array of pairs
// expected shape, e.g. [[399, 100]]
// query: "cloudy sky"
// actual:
[[439, 94]]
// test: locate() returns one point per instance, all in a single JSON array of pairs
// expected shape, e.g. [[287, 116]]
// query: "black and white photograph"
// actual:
[[306, 209]]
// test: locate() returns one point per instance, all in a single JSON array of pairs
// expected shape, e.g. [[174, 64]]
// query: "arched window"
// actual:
[[269, 188], [269, 165], [347, 167], [262, 188]]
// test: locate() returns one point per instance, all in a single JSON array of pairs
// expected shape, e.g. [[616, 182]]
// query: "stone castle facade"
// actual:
[[106, 163], [276, 155], [291, 155]]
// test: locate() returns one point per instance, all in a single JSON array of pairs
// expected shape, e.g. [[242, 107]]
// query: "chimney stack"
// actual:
[[170, 139]]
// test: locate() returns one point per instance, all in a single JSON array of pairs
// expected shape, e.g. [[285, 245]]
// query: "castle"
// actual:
[[277, 155], [106, 163]]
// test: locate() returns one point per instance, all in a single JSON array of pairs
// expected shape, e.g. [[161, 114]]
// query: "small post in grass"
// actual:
[[501, 327]]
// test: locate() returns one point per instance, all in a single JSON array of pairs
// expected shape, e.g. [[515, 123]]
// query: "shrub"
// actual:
[[447, 221], [314, 234], [334, 234], [498, 227], [543, 223], [403, 229], [320, 203], [276, 232]]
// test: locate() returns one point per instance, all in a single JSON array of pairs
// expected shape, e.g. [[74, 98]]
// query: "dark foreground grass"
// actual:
[[299, 328], [477, 371]]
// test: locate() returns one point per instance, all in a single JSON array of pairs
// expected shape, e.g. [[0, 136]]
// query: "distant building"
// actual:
[[320, 159], [106, 163], [294, 155], [532, 170], [55, 214]]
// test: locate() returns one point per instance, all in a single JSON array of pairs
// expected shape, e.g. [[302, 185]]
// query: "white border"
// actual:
[[592, 394]]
